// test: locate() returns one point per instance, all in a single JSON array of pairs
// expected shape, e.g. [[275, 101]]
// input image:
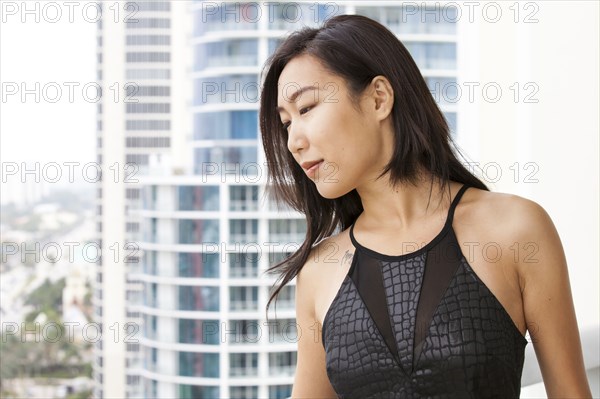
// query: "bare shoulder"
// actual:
[[505, 214]]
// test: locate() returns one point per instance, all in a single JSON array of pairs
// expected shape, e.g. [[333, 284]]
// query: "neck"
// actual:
[[405, 204]]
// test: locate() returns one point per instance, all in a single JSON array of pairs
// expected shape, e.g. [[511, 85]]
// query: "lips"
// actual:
[[311, 167], [309, 164]]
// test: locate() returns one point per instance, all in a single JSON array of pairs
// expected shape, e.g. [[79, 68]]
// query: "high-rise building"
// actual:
[[205, 231], [141, 67]]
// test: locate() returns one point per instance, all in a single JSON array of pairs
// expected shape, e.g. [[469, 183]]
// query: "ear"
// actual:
[[383, 95]]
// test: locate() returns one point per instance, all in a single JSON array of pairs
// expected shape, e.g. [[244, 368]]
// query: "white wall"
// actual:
[[558, 134]]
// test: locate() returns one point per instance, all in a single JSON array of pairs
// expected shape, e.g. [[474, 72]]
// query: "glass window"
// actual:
[[273, 44], [229, 160], [282, 363], [198, 198], [227, 16], [243, 264], [285, 230], [198, 231], [151, 6], [226, 89], [224, 53], [204, 332], [148, 108], [151, 74], [133, 91], [198, 298], [444, 90], [243, 231], [156, 125], [433, 55], [197, 391], [243, 198], [141, 23], [243, 332], [451, 119], [148, 40], [280, 391], [243, 298], [150, 324], [204, 265], [433, 18], [243, 364], [243, 392], [192, 364], [149, 57], [289, 16], [226, 125]]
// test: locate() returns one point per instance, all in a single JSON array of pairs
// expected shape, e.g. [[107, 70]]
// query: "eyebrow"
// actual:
[[296, 94]]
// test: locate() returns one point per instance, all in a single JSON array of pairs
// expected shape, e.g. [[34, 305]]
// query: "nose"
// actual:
[[296, 139]]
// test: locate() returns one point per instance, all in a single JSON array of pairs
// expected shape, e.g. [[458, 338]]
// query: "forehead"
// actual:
[[302, 71]]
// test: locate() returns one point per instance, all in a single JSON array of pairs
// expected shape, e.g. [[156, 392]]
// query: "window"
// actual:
[[192, 364], [152, 6], [205, 265], [141, 23], [243, 231], [285, 230], [282, 363], [197, 391], [138, 159], [226, 125], [198, 231], [148, 40], [243, 298], [232, 52], [243, 364], [432, 18], [233, 160], [243, 392], [433, 55], [198, 298], [135, 91], [148, 108], [242, 332], [156, 125], [198, 198], [226, 89], [280, 391], [244, 264], [444, 90], [228, 16], [204, 332], [149, 57], [151, 74], [147, 142], [243, 198]]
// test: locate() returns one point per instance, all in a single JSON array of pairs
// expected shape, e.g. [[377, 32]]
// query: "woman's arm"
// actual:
[[548, 304], [311, 379]]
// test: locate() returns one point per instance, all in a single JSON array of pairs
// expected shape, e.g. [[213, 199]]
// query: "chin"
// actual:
[[331, 190]]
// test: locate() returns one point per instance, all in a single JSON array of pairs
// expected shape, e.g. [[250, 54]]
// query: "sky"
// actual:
[[53, 55]]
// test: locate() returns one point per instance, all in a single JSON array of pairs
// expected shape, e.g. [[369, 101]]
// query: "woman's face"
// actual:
[[351, 148]]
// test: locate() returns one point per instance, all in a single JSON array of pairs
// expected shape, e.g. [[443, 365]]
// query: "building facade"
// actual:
[[204, 228]]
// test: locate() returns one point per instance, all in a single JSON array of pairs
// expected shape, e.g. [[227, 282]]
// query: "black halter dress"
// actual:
[[420, 325]]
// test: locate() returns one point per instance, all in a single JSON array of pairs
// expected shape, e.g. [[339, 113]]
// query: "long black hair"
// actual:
[[357, 49]]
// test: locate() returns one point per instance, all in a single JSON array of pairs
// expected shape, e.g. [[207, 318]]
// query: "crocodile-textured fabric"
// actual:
[[420, 325]]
